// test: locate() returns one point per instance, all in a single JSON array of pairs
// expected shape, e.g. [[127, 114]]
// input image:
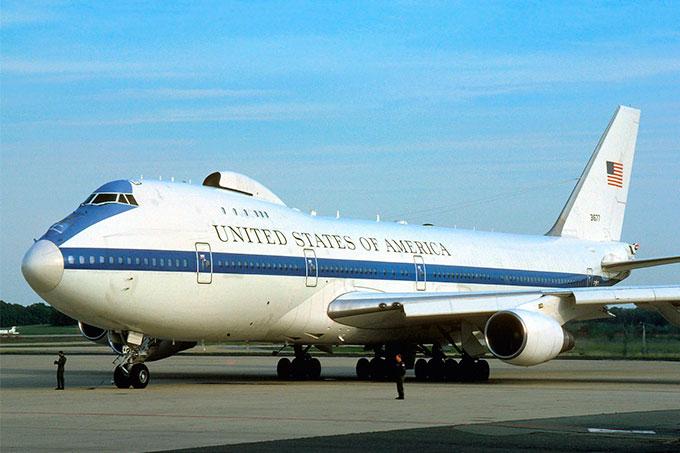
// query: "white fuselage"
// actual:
[[201, 263]]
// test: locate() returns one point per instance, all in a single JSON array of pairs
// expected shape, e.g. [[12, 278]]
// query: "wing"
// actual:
[[375, 310]]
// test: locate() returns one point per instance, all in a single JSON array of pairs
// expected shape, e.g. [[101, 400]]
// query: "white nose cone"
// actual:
[[43, 266]]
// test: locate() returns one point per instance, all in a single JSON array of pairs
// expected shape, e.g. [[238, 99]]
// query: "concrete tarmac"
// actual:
[[205, 403]]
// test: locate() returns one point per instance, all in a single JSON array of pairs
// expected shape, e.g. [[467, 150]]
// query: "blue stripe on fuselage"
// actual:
[[82, 218], [275, 265]]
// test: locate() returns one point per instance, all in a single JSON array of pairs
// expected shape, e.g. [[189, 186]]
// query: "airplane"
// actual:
[[9, 332], [153, 267]]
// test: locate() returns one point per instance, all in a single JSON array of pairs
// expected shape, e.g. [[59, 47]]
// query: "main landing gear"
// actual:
[[303, 366], [439, 370]]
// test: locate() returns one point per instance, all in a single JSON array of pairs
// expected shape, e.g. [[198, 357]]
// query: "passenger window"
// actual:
[[162, 262], [102, 260], [120, 260], [185, 263], [111, 260], [154, 262], [71, 260], [128, 260], [92, 260], [137, 260], [146, 261], [81, 259]]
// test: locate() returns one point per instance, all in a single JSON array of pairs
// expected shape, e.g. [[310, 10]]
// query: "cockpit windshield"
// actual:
[[101, 198]]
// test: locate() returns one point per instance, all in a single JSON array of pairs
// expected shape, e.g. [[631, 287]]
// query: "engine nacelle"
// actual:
[[166, 348], [523, 337], [92, 333]]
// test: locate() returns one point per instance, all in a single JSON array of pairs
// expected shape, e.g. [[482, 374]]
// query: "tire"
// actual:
[[139, 375], [420, 370], [313, 369], [435, 370], [482, 370], [363, 369], [121, 379], [298, 369], [377, 369], [467, 370], [451, 371], [283, 369]]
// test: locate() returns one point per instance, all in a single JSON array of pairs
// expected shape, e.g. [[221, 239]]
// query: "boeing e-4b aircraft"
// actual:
[[152, 267]]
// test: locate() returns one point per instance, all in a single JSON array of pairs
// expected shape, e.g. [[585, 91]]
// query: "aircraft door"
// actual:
[[204, 263], [590, 277], [421, 280], [311, 268]]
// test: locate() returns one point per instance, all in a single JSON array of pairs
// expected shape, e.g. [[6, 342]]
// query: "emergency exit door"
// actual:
[[311, 268], [421, 280], [203, 263]]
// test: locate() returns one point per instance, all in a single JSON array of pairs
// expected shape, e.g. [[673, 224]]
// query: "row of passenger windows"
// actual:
[[246, 212], [129, 260], [109, 198], [509, 278], [183, 263]]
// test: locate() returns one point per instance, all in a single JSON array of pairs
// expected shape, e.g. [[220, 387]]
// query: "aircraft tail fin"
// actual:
[[597, 204]]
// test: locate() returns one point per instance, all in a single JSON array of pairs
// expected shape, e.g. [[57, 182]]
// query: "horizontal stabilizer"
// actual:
[[621, 266]]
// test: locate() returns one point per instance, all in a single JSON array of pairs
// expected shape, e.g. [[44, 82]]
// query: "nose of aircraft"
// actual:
[[43, 266]]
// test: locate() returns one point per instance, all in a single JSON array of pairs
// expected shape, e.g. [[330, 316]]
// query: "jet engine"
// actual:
[[93, 333], [525, 338]]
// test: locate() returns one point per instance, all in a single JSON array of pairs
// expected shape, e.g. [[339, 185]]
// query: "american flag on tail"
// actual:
[[615, 174]]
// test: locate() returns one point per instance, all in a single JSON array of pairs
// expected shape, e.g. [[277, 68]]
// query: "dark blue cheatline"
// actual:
[[275, 265]]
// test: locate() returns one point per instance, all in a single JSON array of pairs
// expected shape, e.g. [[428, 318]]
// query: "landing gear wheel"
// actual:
[[451, 371], [435, 370], [313, 368], [283, 368], [377, 366], [363, 369], [298, 369], [482, 370], [421, 369], [120, 378], [139, 376]]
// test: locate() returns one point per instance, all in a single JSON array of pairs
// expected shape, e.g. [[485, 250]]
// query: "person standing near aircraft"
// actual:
[[60, 362], [400, 375]]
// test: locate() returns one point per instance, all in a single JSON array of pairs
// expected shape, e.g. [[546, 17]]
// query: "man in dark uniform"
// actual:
[[400, 375], [60, 362]]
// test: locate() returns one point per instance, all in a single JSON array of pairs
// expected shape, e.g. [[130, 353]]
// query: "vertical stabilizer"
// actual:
[[596, 207]]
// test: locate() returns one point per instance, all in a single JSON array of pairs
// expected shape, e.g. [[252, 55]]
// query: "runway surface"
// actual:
[[223, 403]]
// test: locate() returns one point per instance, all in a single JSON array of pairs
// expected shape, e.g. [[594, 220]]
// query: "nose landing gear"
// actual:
[[130, 369]]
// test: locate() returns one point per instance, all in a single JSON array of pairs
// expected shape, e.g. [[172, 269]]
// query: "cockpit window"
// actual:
[[109, 198], [103, 198], [131, 200]]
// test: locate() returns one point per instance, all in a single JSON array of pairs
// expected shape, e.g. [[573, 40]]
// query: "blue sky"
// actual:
[[475, 114]]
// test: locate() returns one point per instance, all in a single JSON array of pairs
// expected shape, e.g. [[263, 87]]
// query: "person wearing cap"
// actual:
[[60, 362], [400, 375]]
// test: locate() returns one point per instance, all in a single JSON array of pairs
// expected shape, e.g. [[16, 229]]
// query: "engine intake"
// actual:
[[93, 333], [523, 337]]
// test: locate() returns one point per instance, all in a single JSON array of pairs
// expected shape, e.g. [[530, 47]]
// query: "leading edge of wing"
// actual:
[[378, 310]]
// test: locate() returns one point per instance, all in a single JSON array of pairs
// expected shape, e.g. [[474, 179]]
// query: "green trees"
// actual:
[[20, 315]]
